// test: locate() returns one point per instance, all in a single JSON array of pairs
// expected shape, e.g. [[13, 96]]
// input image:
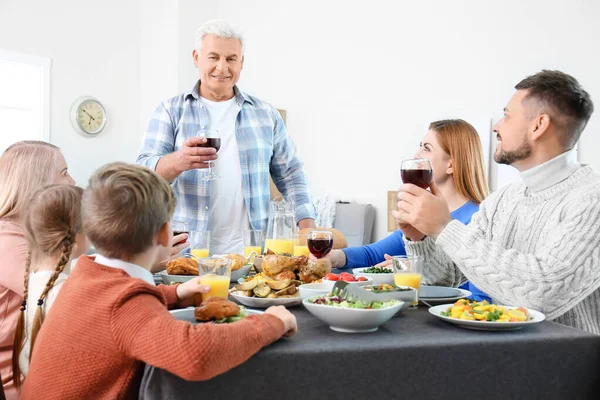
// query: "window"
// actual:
[[24, 98]]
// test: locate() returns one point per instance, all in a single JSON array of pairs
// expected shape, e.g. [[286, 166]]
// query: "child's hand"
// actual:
[[190, 292], [288, 319]]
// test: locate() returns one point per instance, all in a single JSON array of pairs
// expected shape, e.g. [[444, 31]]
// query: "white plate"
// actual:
[[438, 292], [353, 320], [168, 279], [536, 317], [437, 300], [187, 314], [259, 302]]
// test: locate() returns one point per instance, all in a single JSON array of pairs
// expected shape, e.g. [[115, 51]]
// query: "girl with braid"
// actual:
[[52, 225]]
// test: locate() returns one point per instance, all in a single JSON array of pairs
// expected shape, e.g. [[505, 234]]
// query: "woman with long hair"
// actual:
[[25, 167], [454, 149]]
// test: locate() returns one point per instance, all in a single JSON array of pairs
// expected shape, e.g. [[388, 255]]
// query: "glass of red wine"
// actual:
[[179, 227], [319, 243], [417, 171], [213, 139]]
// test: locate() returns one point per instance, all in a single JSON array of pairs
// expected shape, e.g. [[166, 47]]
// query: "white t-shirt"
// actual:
[[228, 213], [37, 283]]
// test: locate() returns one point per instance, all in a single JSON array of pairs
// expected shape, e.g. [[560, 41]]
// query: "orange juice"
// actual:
[[412, 279], [200, 253], [280, 245], [250, 249], [301, 251], [219, 286]]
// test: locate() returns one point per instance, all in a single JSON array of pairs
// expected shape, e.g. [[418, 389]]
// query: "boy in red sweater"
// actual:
[[109, 318]]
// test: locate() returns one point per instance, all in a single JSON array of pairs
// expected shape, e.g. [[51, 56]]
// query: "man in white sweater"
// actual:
[[534, 244]]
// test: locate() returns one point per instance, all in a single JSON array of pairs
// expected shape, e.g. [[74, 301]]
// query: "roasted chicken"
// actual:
[[216, 308], [314, 270], [237, 261], [274, 264], [182, 266]]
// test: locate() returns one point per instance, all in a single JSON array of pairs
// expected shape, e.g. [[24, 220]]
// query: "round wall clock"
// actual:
[[88, 116]]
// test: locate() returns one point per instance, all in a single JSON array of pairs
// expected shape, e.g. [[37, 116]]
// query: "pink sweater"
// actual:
[[13, 251]]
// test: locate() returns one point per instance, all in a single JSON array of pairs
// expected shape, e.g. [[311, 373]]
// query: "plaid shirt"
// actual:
[[264, 148]]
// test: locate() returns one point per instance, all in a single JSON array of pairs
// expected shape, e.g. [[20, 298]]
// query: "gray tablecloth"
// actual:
[[414, 355]]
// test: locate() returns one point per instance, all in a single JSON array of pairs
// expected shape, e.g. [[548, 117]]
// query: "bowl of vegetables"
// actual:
[[379, 275], [352, 316]]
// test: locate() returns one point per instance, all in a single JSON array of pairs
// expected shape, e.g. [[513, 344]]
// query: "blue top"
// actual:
[[366, 256]]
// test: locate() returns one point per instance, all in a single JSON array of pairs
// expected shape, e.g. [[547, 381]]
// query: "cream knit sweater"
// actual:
[[534, 244]]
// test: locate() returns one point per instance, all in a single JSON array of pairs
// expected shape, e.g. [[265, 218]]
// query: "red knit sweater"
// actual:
[[105, 324]]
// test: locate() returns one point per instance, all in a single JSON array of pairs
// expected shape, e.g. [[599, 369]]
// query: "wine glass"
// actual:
[[213, 139], [417, 171], [253, 243], [319, 243], [179, 227]]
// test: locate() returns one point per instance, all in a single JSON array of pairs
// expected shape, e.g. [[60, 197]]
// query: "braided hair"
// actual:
[[52, 222], [20, 331]]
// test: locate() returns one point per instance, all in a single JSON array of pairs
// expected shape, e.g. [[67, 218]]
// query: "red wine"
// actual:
[[418, 177], [320, 247], [175, 233], [212, 142]]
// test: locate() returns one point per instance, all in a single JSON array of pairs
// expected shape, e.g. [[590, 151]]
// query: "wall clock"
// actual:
[[88, 116]]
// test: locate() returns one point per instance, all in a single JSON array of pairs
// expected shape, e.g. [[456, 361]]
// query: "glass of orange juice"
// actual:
[[408, 271], [253, 242], [300, 246], [216, 273], [280, 246], [199, 243]]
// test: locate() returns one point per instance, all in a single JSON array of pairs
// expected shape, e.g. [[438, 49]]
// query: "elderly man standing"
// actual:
[[534, 244], [254, 146]]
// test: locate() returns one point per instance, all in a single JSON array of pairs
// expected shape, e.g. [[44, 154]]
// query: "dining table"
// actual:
[[414, 355]]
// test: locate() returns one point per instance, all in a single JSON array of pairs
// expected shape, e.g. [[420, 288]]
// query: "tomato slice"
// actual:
[[347, 278], [361, 279], [332, 277]]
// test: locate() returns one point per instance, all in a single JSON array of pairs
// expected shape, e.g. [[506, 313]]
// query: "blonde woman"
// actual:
[[24, 168], [455, 152]]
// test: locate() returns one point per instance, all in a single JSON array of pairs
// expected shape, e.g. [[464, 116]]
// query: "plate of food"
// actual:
[[182, 269], [379, 275], [481, 315], [215, 309], [352, 316], [279, 280]]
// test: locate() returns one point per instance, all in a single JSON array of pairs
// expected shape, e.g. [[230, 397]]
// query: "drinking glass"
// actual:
[[408, 271], [320, 243], [253, 242], [216, 273], [300, 245], [178, 228], [200, 243], [417, 171], [213, 139]]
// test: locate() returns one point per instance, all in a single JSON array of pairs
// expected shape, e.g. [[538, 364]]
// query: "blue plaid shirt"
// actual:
[[265, 150]]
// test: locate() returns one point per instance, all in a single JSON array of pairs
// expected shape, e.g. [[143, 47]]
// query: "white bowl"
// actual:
[[369, 281], [314, 289], [236, 275], [353, 320], [378, 279]]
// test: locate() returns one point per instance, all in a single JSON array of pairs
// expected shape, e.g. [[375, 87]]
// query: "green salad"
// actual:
[[241, 315], [336, 301], [377, 270]]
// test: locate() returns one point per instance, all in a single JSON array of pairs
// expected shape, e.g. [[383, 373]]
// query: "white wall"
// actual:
[[359, 81], [159, 48], [95, 51]]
